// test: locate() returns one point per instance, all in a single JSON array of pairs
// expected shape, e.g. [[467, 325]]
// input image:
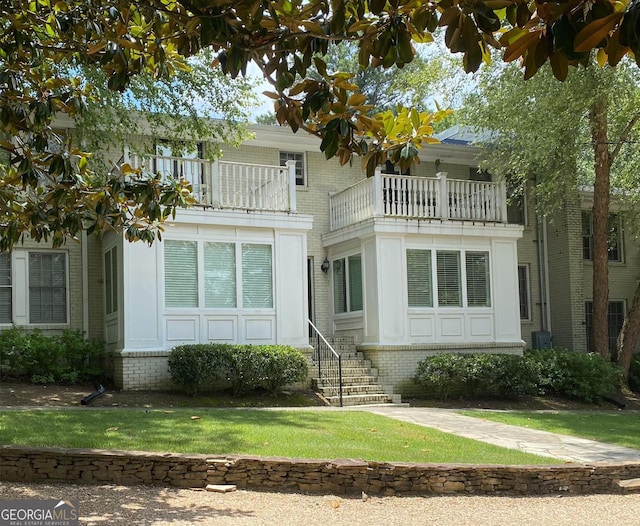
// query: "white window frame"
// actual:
[[302, 163], [10, 286], [28, 289], [527, 277], [111, 307], [200, 270], [462, 269], [347, 284]]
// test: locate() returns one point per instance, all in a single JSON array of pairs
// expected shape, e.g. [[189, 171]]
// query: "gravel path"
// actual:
[[144, 505]]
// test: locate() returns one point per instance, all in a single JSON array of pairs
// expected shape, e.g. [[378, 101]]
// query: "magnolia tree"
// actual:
[[45, 46]]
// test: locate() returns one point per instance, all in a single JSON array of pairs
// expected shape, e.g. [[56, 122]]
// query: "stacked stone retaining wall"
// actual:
[[21, 464]]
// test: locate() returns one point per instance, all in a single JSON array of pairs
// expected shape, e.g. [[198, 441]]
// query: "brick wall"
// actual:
[[397, 365], [342, 476]]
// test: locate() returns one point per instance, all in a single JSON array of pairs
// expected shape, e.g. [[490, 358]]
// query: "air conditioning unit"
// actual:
[[541, 340]]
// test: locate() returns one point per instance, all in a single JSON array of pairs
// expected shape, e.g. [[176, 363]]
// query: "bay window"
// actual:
[[450, 278], [218, 275]]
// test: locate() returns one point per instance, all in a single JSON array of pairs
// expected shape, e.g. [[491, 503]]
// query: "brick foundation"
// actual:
[[22, 464]]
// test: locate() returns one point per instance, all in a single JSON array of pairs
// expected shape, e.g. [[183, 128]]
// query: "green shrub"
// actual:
[[584, 376], [191, 366], [634, 374], [474, 375], [65, 358], [245, 367]]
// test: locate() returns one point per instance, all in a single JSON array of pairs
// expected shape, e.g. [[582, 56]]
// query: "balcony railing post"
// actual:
[[214, 181], [291, 165], [378, 210], [442, 209], [502, 192]]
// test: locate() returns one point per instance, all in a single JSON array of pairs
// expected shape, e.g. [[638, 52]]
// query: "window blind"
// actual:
[[220, 275], [478, 291], [419, 286], [47, 287], [257, 280], [6, 314], [339, 286], [180, 273], [448, 272], [355, 282]]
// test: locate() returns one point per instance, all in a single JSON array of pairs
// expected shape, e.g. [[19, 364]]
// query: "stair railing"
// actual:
[[329, 362]]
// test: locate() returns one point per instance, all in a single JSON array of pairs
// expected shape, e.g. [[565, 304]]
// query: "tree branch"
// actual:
[[623, 136]]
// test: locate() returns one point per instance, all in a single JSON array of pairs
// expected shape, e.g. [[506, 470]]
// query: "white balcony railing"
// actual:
[[389, 195], [224, 184]]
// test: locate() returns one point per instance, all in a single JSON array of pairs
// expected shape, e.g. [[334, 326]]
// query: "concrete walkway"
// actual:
[[543, 443]]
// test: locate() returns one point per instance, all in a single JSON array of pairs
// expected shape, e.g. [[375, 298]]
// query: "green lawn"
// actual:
[[616, 428], [305, 434]]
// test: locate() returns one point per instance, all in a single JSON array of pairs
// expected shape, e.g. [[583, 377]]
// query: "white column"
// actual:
[[502, 189], [378, 210], [214, 180], [442, 208], [291, 165]]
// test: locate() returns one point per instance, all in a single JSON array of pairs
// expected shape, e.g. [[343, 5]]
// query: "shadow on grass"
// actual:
[[209, 431]]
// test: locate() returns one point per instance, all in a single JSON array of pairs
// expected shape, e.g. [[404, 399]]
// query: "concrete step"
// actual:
[[364, 379], [348, 390], [351, 400]]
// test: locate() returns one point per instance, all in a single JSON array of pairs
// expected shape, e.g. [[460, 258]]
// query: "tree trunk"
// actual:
[[600, 216], [628, 337]]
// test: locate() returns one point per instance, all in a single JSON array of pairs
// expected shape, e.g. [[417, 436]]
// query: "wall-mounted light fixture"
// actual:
[[325, 266]]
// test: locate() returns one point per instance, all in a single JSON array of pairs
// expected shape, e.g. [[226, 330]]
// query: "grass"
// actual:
[[302, 434], [615, 428]]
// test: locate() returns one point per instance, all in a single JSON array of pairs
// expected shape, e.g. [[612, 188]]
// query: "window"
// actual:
[[614, 242], [180, 273], [419, 286], [220, 275], [478, 290], [475, 174], [390, 168], [111, 280], [347, 284], [516, 210], [448, 272], [6, 310], [217, 269], [451, 281], [523, 291], [615, 319], [47, 287], [299, 159], [516, 207], [257, 281]]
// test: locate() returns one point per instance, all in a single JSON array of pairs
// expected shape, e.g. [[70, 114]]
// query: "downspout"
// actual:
[[546, 274], [541, 275], [85, 284]]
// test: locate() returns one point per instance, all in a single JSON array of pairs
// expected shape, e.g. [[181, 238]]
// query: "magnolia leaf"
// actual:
[[520, 46], [595, 32]]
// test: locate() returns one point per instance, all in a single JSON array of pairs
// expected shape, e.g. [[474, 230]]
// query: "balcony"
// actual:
[[421, 198], [228, 185]]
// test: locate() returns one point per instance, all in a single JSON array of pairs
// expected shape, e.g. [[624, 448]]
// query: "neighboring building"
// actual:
[[406, 265]]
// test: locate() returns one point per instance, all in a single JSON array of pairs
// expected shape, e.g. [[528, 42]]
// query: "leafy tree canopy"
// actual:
[[45, 46]]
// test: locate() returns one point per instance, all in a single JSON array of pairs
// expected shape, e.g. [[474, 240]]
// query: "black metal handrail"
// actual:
[[329, 362]]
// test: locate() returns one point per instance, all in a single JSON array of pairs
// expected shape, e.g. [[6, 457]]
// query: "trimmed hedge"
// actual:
[[584, 376], [65, 358], [245, 367]]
